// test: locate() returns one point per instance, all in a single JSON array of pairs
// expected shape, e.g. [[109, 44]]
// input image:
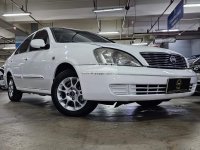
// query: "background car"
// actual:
[[2, 83], [193, 58], [196, 67]]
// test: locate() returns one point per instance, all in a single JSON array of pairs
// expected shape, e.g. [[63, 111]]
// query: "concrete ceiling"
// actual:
[[79, 9], [79, 14], [53, 11]]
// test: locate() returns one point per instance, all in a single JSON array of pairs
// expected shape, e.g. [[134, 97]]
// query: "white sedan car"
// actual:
[[80, 69]]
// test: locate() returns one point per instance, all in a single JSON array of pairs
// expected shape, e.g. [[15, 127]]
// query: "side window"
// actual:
[[41, 35], [24, 46], [80, 38], [63, 36]]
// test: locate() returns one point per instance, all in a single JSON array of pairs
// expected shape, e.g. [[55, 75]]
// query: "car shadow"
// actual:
[[103, 113], [36, 102], [143, 113], [135, 113]]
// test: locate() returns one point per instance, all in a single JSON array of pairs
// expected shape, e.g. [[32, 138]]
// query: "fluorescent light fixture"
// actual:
[[10, 47], [165, 30], [192, 5], [108, 10], [140, 44], [16, 14], [108, 33]]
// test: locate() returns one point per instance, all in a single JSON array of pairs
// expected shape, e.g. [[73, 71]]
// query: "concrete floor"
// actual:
[[34, 124]]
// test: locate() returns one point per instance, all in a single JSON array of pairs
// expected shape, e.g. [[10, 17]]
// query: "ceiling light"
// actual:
[[140, 44], [9, 47], [108, 10], [16, 14], [108, 33], [192, 5], [165, 30]]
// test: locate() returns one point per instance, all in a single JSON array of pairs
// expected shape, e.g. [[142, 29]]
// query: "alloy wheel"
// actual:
[[69, 94], [11, 88]]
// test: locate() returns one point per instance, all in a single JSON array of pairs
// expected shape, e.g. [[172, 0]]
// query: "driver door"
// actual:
[[38, 64], [18, 61]]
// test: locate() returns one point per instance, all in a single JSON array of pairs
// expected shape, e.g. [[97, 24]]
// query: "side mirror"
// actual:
[[37, 43]]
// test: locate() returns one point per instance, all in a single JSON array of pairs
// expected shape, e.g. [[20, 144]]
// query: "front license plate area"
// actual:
[[179, 85]]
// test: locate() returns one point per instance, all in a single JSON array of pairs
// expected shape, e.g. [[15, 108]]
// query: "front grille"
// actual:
[[150, 89], [138, 89], [164, 60]]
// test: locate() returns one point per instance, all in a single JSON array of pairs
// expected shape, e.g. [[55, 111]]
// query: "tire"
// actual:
[[149, 103], [13, 94], [67, 95]]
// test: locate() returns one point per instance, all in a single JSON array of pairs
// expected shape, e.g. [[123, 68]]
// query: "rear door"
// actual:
[[18, 60]]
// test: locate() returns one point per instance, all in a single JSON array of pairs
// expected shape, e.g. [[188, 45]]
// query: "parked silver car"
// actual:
[[2, 83], [196, 67]]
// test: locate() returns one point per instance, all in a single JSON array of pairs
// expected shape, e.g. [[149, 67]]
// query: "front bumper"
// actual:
[[120, 83]]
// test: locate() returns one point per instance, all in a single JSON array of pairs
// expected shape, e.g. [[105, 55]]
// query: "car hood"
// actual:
[[135, 50], [72, 50]]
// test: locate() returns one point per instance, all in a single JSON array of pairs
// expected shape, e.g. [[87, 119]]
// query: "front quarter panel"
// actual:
[[75, 53]]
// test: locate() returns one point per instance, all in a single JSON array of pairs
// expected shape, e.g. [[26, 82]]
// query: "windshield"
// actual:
[[62, 35]]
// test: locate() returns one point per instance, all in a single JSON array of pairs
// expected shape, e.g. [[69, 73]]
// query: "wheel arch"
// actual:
[[8, 75], [62, 67]]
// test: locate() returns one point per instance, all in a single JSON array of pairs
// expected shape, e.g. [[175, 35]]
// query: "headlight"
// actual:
[[115, 57]]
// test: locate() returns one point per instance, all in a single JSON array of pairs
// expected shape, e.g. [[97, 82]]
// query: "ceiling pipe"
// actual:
[[127, 7], [194, 34], [135, 17], [158, 19], [98, 21], [25, 11]]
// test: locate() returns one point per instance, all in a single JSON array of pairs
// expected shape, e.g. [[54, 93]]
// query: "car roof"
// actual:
[[72, 29]]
